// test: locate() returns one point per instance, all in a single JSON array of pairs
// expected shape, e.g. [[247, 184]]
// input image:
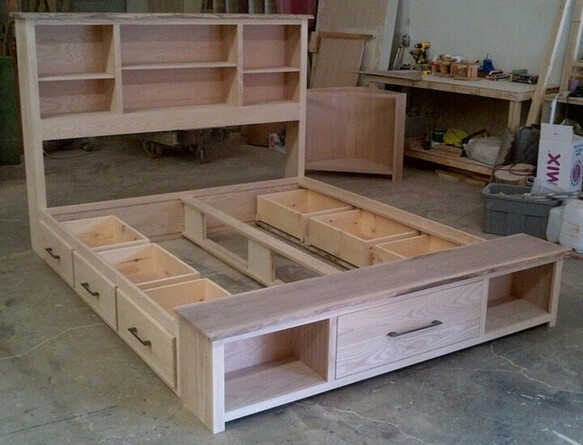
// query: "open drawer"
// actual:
[[290, 211], [409, 248], [149, 265], [350, 235], [104, 232], [147, 331]]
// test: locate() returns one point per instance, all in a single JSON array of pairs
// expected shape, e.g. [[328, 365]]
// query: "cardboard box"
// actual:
[[560, 158]]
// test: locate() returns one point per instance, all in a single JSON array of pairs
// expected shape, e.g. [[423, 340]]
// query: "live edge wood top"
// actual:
[[317, 298], [76, 18]]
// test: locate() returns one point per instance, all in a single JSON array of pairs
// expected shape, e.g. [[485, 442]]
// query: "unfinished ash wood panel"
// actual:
[[75, 96], [338, 62], [105, 232], [384, 334], [410, 247], [73, 49], [350, 235], [155, 45], [290, 211], [358, 130], [270, 87], [270, 46], [146, 89], [149, 265]]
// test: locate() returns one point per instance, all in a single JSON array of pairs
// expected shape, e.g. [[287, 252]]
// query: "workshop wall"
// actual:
[[514, 34]]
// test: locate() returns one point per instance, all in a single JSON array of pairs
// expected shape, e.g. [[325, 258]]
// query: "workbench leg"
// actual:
[[514, 111], [376, 85]]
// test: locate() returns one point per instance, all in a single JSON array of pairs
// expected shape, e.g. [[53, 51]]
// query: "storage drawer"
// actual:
[[350, 235], [149, 265], [104, 232], [381, 335], [290, 211], [96, 290], [154, 344], [409, 248], [57, 253]]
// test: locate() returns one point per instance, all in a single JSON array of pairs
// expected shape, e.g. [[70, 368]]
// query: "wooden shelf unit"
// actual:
[[229, 356]]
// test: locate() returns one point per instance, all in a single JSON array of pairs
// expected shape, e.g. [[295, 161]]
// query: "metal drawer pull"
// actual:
[[88, 289], [134, 332], [432, 324], [51, 253]]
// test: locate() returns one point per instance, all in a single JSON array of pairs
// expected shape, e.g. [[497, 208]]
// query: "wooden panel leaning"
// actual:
[[359, 130]]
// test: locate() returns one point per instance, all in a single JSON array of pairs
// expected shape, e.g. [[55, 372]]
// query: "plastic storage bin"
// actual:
[[507, 213]]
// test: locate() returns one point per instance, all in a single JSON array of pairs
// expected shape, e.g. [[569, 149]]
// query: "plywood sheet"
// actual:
[[338, 63]]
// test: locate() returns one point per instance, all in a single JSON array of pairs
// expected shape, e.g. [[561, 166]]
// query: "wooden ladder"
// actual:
[[572, 66]]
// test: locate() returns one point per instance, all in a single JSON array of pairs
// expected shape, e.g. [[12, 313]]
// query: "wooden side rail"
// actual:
[[262, 247]]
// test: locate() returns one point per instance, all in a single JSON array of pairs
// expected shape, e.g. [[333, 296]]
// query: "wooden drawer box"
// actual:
[[57, 253], [290, 211], [350, 235], [151, 341], [104, 232], [168, 297], [149, 265], [410, 247], [375, 337], [96, 290]]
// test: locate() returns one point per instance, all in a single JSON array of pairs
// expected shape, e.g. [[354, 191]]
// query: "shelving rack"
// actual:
[[228, 356]]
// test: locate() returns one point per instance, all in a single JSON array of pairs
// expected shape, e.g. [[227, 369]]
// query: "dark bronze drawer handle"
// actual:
[[51, 253], [88, 289], [430, 325], [134, 332]]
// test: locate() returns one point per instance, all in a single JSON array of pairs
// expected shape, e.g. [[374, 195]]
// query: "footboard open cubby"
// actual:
[[227, 354]]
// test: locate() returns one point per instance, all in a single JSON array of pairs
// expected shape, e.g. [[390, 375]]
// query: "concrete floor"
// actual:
[[67, 378]]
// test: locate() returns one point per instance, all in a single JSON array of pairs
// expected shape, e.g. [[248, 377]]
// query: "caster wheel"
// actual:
[[88, 144], [152, 149]]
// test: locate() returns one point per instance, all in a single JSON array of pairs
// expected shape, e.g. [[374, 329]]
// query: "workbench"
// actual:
[[514, 94]]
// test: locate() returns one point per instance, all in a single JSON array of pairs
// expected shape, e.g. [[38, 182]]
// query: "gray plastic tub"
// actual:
[[507, 213]]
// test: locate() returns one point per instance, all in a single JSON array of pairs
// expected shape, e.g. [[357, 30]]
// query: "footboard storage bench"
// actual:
[[382, 288]]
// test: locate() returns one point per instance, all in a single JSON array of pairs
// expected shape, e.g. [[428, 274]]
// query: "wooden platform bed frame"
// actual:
[[415, 289]]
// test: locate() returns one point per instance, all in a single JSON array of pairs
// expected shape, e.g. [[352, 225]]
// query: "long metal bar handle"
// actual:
[[88, 289], [134, 332], [51, 253], [430, 325]]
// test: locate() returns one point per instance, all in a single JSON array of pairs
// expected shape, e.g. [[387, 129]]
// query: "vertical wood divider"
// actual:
[[31, 132], [114, 66], [237, 98]]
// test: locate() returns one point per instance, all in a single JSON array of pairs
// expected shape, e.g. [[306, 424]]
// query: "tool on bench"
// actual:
[[420, 56]]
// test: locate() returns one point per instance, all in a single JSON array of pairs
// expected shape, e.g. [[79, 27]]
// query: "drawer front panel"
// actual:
[[375, 337], [154, 344], [97, 291], [56, 253]]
